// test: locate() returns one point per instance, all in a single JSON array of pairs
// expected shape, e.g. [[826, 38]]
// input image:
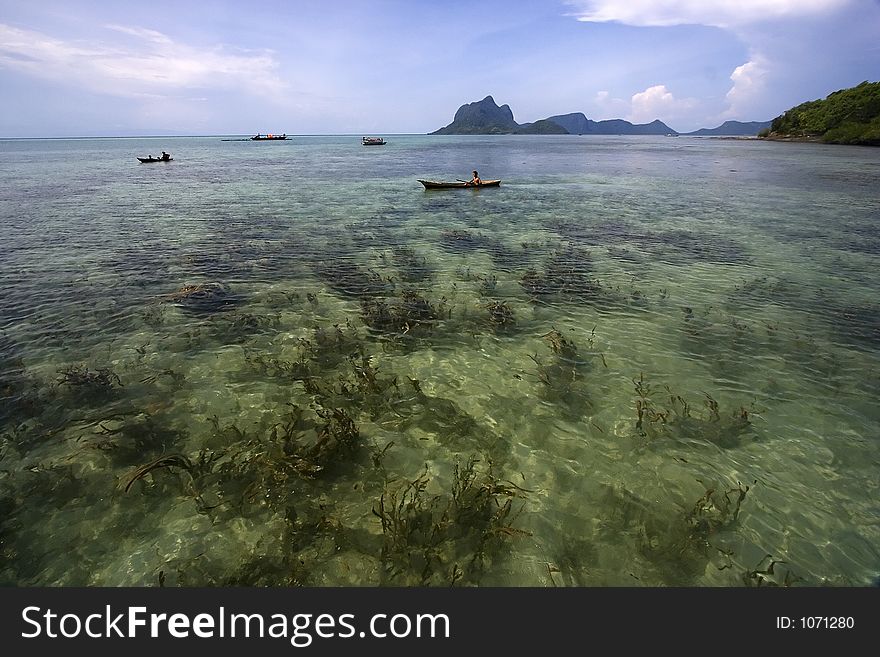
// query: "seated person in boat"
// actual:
[[476, 179], [165, 156]]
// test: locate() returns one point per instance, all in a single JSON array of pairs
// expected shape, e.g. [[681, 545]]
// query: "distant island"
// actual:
[[732, 129], [485, 117], [848, 116]]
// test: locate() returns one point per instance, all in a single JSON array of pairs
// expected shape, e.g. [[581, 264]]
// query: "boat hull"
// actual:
[[435, 184], [154, 159]]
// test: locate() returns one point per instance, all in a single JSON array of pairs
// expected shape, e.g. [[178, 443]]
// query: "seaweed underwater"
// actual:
[[675, 419], [676, 247], [204, 298], [565, 379], [677, 548], [335, 400], [447, 539], [275, 470]]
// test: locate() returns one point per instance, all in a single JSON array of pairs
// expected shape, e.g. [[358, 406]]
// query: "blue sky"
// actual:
[[122, 67]]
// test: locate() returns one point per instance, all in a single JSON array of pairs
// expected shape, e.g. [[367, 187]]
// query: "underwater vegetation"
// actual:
[[674, 545], [856, 323], [165, 461], [508, 258], [673, 246], [378, 232], [763, 290], [563, 377], [238, 468], [89, 387], [501, 315], [728, 344], [504, 256], [452, 426], [411, 267], [449, 538], [337, 369], [765, 573], [128, 438], [276, 466], [346, 414], [204, 298], [318, 355], [463, 241], [80, 377], [239, 326], [565, 277], [403, 318], [675, 418], [340, 405], [350, 280]]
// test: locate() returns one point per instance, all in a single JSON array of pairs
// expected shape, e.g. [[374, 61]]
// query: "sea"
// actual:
[[640, 361]]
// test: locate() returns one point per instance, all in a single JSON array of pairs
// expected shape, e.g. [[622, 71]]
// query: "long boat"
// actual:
[[269, 137], [155, 159], [435, 184], [373, 141]]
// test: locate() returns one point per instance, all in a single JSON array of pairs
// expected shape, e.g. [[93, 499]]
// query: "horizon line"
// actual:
[[219, 134]]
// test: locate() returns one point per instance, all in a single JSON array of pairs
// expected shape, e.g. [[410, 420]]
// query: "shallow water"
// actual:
[[639, 362]]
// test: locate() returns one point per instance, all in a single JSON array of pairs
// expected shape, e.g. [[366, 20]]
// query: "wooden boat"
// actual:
[[373, 141], [155, 159], [269, 137], [434, 184]]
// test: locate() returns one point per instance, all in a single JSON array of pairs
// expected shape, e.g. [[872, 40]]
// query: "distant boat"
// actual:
[[269, 137], [434, 184], [373, 141]]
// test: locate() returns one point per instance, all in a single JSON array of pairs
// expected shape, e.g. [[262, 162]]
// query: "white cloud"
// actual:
[[657, 102], [718, 13], [134, 69], [748, 84]]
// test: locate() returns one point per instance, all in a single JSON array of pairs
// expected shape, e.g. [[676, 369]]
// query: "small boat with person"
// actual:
[[269, 137], [459, 184], [165, 157], [373, 141]]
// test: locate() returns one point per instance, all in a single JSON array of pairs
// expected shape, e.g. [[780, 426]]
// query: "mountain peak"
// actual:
[[481, 117]]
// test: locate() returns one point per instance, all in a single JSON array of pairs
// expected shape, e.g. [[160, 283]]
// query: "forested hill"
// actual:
[[848, 116]]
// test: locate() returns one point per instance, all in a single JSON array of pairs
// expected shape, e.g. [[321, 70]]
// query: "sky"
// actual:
[[227, 67]]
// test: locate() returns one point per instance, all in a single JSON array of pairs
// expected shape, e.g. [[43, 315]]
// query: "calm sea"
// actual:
[[640, 361]]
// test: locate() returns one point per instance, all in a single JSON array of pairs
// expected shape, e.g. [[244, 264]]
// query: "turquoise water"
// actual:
[[639, 361]]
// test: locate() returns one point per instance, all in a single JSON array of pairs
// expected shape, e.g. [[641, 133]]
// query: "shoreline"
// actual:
[[813, 139]]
